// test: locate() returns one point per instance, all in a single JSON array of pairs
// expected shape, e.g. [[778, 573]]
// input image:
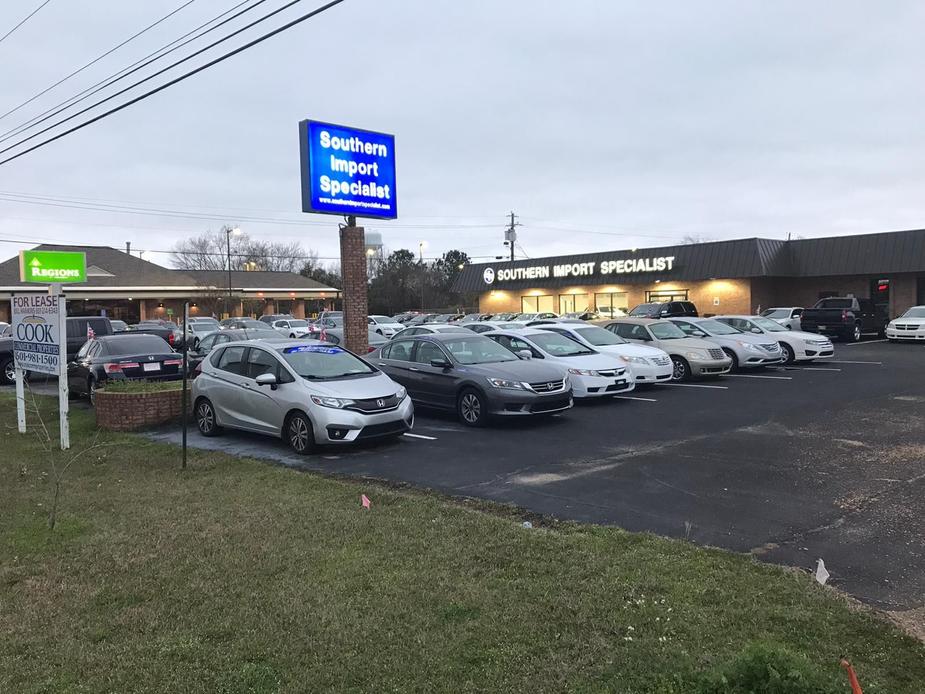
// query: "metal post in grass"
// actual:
[[185, 372]]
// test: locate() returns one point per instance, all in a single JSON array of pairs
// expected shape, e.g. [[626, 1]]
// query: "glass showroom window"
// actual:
[[537, 304], [573, 303], [605, 303]]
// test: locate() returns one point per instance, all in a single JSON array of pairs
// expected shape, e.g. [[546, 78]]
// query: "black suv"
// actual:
[[669, 309]]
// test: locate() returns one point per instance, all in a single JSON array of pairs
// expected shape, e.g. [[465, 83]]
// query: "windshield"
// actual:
[[478, 350], [324, 362], [666, 331], [528, 316], [768, 325], [250, 323], [251, 334], [644, 309], [835, 303], [137, 344], [714, 327], [776, 313], [598, 336], [559, 345], [381, 319], [915, 312]]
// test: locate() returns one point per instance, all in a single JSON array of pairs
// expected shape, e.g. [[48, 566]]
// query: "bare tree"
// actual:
[[209, 251]]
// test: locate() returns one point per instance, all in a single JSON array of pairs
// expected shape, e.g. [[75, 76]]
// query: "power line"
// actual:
[[129, 70], [21, 129], [28, 17], [97, 59], [160, 212]]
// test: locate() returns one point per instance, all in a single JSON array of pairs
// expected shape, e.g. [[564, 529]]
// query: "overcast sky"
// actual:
[[603, 125]]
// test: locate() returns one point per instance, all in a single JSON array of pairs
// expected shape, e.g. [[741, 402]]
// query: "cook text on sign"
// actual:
[[347, 171], [36, 339]]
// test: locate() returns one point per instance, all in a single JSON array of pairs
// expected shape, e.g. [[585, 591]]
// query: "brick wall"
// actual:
[[353, 269], [131, 411]]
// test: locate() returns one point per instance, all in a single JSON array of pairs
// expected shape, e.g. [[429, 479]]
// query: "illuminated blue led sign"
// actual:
[[347, 171]]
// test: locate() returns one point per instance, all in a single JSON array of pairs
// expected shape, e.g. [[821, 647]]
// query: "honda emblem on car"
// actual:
[[380, 403]]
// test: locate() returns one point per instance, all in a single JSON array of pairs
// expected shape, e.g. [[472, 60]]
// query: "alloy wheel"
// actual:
[[205, 418], [679, 369], [299, 434], [857, 333], [91, 391], [786, 353], [470, 408], [9, 371]]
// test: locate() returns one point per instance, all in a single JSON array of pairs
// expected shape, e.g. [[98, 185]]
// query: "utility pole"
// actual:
[[510, 234]]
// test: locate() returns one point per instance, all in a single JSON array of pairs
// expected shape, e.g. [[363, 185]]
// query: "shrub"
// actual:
[[766, 669], [134, 386]]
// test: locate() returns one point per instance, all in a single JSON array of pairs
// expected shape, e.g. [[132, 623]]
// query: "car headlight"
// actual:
[[818, 343], [696, 354], [634, 360], [338, 403], [748, 347], [583, 372], [401, 393], [505, 383], [891, 324]]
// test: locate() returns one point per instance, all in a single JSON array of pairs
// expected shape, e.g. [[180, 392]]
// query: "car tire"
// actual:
[[206, 421], [787, 353], [379, 332], [471, 408], [855, 334], [7, 372], [291, 336], [681, 370], [91, 391], [298, 433], [735, 359]]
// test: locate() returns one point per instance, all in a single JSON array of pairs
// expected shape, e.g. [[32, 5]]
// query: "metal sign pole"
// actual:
[[20, 400], [183, 406], [63, 401]]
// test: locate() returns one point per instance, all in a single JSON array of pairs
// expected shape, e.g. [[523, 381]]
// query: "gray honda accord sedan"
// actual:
[[473, 376]]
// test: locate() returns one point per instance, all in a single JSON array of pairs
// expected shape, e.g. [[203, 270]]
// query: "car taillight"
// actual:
[[170, 339], [173, 362], [844, 315], [370, 348], [117, 368]]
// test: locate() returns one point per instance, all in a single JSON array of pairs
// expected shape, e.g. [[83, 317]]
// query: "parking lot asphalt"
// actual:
[[790, 464]]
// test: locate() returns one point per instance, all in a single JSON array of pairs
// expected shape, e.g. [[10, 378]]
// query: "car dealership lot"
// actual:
[[789, 463]]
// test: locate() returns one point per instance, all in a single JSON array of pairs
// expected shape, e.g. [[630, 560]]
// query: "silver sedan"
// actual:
[[305, 391]]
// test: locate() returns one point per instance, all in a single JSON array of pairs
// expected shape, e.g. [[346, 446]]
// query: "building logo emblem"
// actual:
[[488, 275]]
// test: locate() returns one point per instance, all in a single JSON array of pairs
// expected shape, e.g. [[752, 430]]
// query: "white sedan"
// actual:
[[592, 373], [795, 345], [787, 316], [909, 326], [645, 364], [291, 327], [383, 325]]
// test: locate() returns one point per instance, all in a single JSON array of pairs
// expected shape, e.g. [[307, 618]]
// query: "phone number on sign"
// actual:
[[34, 360]]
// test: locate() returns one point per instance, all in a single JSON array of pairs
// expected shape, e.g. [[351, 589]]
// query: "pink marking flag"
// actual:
[[365, 501]]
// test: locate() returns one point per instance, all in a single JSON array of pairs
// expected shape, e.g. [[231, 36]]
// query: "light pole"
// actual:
[[228, 232], [421, 247]]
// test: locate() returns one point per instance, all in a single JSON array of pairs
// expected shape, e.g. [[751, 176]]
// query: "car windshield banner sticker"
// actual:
[[320, 349]]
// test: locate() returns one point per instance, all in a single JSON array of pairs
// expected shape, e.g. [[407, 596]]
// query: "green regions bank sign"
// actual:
[[46, 267]]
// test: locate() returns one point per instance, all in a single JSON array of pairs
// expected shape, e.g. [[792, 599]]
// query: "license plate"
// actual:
[[153, 366]]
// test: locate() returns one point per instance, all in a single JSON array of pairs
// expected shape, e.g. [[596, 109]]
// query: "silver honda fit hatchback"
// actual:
[[306, 391]]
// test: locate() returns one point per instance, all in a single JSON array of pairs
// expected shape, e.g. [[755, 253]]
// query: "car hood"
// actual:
[[909, 321], [795, 335], [588, 361], [749, 338], [686, 343], [360, 388], [529, 370], [391, 326], [632, 350]]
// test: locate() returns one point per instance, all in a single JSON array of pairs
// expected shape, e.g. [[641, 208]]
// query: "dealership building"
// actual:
[[738, 276], [123, 286]]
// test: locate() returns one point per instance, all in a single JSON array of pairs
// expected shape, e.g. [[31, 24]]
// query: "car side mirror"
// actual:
[[700, 333], [524, 354], [757, 331], [440, 363], [266, 380]]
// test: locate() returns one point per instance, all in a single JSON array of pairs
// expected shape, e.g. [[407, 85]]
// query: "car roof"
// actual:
[[633, 319], [446, 336]]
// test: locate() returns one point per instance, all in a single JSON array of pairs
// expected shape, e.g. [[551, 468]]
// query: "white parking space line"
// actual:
[[630, 397], [816, 368], [855, 344], [421, 436], [693, 385], [776, 378], [839, 361]]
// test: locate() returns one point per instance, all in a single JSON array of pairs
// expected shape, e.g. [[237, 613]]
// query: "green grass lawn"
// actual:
[[238, 576]]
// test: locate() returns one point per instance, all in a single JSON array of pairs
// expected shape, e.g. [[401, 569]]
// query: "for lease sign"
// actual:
[[37, 344], [347, 171]]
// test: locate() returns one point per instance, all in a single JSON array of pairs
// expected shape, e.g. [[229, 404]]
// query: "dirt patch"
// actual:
[[910, 621]]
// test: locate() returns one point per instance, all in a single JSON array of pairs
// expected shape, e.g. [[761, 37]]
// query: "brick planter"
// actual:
[[131, 411]]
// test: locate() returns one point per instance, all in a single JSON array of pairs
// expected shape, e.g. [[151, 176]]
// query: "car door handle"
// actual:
[[413, 368], [381, 364]]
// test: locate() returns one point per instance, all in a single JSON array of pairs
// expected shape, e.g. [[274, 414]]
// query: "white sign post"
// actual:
[[40, 345]]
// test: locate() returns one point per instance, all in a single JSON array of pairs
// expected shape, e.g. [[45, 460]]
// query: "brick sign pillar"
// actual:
[[353, 270]]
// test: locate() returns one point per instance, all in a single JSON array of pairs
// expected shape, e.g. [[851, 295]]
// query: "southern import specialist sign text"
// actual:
[[37, 343], [347, 171]]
